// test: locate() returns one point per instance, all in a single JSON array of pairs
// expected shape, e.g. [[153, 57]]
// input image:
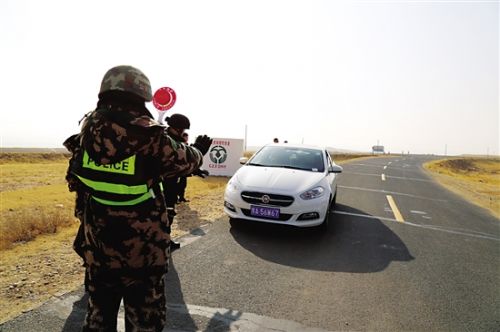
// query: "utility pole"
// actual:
[[245, 150]]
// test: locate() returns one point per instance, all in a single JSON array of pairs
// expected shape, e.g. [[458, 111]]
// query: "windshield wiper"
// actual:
[[279, 166], [294, 167]]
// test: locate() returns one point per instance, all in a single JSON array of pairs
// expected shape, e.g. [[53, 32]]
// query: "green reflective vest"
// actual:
[[120, 184]]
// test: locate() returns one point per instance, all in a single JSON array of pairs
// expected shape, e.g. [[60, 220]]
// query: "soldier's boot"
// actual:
[[171, 215]]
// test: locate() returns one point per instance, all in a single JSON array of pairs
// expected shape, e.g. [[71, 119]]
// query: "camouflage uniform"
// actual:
[[177, 123], [125, 248]]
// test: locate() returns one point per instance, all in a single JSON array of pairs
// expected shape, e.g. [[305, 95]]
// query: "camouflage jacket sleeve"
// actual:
[[177, 159], [73, 146]]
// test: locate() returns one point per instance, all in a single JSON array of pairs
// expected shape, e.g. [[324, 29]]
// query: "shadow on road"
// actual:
[[178, 317], [74, 322], [351, 244], [222, 322], [188, 219]]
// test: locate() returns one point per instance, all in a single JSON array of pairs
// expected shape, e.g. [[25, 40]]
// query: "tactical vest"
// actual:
[[119, 184]]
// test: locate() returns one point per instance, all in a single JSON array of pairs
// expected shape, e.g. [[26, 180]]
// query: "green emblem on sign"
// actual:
[[218, 154]]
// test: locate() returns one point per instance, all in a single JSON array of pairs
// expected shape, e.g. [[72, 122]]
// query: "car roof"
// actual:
[[289, 145]]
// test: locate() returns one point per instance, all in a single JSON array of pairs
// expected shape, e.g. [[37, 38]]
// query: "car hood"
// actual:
[[277, 180]]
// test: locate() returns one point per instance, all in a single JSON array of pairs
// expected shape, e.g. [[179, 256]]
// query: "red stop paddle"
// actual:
[[163, 99]]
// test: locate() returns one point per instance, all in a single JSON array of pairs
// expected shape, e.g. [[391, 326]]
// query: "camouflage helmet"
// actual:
[[128, 79], [178, 121]]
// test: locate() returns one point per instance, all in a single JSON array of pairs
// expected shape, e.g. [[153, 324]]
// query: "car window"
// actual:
[[289, 157]]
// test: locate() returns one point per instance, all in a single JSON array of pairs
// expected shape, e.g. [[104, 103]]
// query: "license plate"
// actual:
[[265, 212]]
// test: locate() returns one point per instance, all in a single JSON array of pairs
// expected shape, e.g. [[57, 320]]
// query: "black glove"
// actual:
[[201, 172], [203, 143]]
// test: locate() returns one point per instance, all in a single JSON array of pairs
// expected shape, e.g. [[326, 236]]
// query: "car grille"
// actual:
[[253, 197], [283, 216]]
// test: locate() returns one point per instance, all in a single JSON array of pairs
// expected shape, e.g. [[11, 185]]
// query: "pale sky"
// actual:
[[414, 75]]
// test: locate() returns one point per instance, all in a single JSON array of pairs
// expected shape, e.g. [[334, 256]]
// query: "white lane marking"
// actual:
[[388, 176], [383, 177], [370, 165], [427, 217], [378, 165], [240, 321], [450, 230], [390, 162], [394, 208], [418, 212], [408, 179], [385, 167], [460, 229], [392, 193], [364, 215], [386, 246]]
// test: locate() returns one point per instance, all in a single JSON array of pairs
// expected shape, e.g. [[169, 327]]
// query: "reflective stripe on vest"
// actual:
[[138, 200], [119, 191]]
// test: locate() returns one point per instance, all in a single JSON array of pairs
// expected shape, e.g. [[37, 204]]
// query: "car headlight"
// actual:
[[313, 193]]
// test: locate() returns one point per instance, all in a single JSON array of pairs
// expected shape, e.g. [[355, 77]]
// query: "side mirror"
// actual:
[[243, 160], [335, 169]]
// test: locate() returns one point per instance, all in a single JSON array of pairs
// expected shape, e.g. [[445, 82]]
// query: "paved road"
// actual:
[[402, 254]]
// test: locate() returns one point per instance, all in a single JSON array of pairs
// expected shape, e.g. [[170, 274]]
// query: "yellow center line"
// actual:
[[394, 209]]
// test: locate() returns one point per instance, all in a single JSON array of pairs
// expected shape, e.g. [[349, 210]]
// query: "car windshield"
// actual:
[[289, 157]]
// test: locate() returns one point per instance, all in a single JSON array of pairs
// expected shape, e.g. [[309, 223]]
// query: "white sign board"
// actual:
[[223, 157], [378, 148]]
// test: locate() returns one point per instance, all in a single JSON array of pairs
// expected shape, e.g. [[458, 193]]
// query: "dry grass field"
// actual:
[[33, 196], [476, 179], [32, 157]]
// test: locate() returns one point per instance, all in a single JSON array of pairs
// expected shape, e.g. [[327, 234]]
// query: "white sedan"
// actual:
[[284, 184]]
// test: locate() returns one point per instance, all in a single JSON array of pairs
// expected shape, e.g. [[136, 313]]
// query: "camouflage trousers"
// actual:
[[143, 299]]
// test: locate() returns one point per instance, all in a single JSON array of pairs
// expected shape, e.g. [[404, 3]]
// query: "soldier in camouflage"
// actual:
[[182, 183], [119, 160], [177, 123]]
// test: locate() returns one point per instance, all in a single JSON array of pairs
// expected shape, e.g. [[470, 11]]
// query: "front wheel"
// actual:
[[333, 203], [326, 222], [233, 222]]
